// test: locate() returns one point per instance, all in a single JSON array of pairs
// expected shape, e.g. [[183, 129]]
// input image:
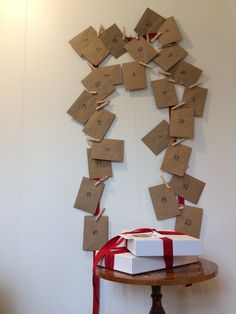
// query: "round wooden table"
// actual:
[[181, 275]]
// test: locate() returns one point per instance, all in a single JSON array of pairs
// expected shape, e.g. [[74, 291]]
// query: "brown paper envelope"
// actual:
[[182, 123], [141, 50], [195, 98], [84, 106], [164, 202], [169, 32], [150, 22], [98, 168], [95, 233], [164, 93], [169, 56], [107, 149], [89, 195], [83, 40], [190, 221], [185, 73], [96, 78], [176, 159], [188, 187], [158, 138], [98, 124], [113, 40], [96, 52], [134, 76]]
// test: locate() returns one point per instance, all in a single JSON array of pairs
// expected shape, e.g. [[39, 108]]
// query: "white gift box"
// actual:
[[152, 245], [131, 264]]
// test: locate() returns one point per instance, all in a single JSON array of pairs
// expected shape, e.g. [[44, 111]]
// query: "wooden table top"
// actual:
[[186, 274]]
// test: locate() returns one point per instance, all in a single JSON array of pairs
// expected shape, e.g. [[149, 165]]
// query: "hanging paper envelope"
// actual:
[[98, 168], [108, 149], [95, 233], [150, 22], [164, 93], [182, 123], [195, 98], [83, 40], [169, 32], [134, 76], [141, 50], [169, 56]]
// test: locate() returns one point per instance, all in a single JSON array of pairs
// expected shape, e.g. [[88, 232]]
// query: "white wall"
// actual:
[[43, 155]]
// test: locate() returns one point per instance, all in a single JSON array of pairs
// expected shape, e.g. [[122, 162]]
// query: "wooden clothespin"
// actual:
[[164, 73], [95, 140], [156, 36], [172, 81], [105, 103], [145, 65], [180, 206], [91, 65], [137, 36], [101, 29], [92, 92], [147, 38], [90, 143], [124, 33], [195, 85], [100, 214], [101, 180], [165, 182], [179, 105], [178, 142]]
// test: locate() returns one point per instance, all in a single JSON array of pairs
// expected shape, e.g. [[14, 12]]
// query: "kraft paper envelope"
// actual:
[[113, 40], [195, 98], [98, 168], [83, 40], [158, 138], [111, 74], [190, 221], [96, 52], [170, 56], [185, 73], [98, 124], [84, 106], [188, 187], [95, 233], [134, 76], [141, 50], [169, 32], [182, 123], [164, 93], [164, 202], [107, 149], [89, 195], [150, 22], [176, 159]]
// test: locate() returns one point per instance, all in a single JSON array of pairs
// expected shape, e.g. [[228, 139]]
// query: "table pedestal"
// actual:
[[156, 295]]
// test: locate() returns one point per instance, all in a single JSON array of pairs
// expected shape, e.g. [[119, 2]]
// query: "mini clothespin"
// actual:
[[165, 182], [124, 33], [101, 29], [156, 36], [164, 73], [92, 92], [101, 180], [147, 38], [195, 85], [105, 103], [100, 214], [137, 36], [180, 206], [91, 65], [145, 65], [172, 81], [178, 142], [90, 143], [179, 105]]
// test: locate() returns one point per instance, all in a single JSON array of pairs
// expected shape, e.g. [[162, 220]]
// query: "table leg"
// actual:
[[156, 295]]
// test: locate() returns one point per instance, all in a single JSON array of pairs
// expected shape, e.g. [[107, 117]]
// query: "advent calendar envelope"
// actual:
[[176, 159], [188, 187], [158, 138], [195, 98], [111, 74], [96, 52], [107, 149], [169, 32], [98, 124], [169, 56], [98, 168], [95, 233], [113, 40], [189, 221], [89, 195], [164, 202], [84, 106], [182, 123], [141, 50], [134, 76], [83, 40], [185, 73], [164, 93], [150, 22]]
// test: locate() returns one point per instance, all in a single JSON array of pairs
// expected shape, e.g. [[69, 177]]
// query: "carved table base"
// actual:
[[156, 295]]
